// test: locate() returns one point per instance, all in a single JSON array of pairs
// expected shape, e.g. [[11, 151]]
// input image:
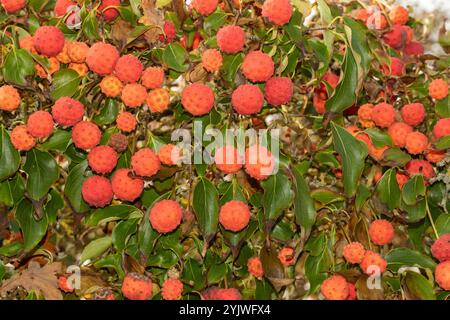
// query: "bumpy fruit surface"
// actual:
[[398, 37], [215, 293], [128, 68], [351, 291], [278, 90], [111, 86], [416, 142], [259, 162], [286, 256], [231, 39], [401, 179], [137, 287], [158, 100], [197, 99], [27, 43], [9, 98], [40, 124], [257, 66], [383, 114], [67, 111], [53, 67], [165, 216], [101, 58], [63, 56], [102, 159], [247, 99], [97, 191], [64, 284], [381, 232], [396, 67], [169, 154], [438, 89], [255, 267], [172, 289], [118, 142], [441, 248], [49, 40], [441, 128], [372, 263], [169, 30], [354, 252], [413, 48], [399, 15], [124, 187], [21, 139], [145, 162], [152, 77], [77, 51], [398, 132], [111, 13], [61, 7], [126, 122], [134, 95], [228, 160], [413, 113], [12, 6], [81, 68], [415, 166], [376, 21], [278, 12], [205, 7], [86, 135], [234, 215], [335, 288], [212, 60], [435, 156], [442, 275]]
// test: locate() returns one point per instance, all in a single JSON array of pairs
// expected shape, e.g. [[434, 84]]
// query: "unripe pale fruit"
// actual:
[[165, 216], [111, 86], [77, 51], [158, 100]]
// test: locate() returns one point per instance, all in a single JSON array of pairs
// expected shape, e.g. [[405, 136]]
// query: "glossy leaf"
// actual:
[[388, 189], [206, 206], [9, 157], [65, 83], [42, 171]]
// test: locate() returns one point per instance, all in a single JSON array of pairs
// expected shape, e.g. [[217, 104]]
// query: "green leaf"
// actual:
[[395, 157], [443, 224], [353, 153], [73, 186], [59, 141], [65, 83], [206, 207], [193, 273], [443, 107], [53, 205], [174, 56], [216, 273], [42, 171], [214, 21], [11, 191], [443, 143], [95, 248], [325, 196], [111, 261], [264, 290], [18, 65], [414, 188], [112, 213], [108, 112], [277, 195], [294, 27], [11, 249], [231, 64], [122, 231], [359, 42], [417, 211], [316, 268], [163, 259], [404, 257], [90, 24], [9, 156], [362, 194], [378, 137], [33, 231], [305, 212], [388, 189], [419, 287]]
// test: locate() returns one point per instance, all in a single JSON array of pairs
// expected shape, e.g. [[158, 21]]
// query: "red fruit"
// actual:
[[102, 159], [172, 289], [27, 43], [416, 142], [362, 14], [9, 98], [12, 6], [205, 7], [398, 37], [165, 216], [53, 67], [145, 162], [158, 100], [278, 90], [234, 215], [376, 21], [67, 111], [383, 114], [399, 15], [212, 60], [228, 160], [286, 256], [134, 95], [231, 39], [126, 122], [169, 31], [128, 68], [397, 68], [21, 139], [354, 252], [365, 115], [152, 77], [101, 58], [228, 294], [118, 142], [413, 113], [398, 132], [111, 13], [401, 179], [247, 99], [257, 66], [197, 99], [442, 275], [124, 187], [97, 191], [255, 267], [351, 291], [77, 51], [86, 135], [413, 48], [49, 41], [319, 103], [441, 248], [373, 262], [435, 156], [169, 154], [335, 288], [111, 86], [278, 12], [331, 78], [64, 285], [442, 128], [259, 162], [61, 7], [137, 287], [423, 167], [438, 89], [381, 232], [40, 124]]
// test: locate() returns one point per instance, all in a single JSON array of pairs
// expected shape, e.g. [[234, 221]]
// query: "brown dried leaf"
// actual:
[[35, 278], [90, 282], [154, 18], [121, 32], [364, 293], [197, 74]]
